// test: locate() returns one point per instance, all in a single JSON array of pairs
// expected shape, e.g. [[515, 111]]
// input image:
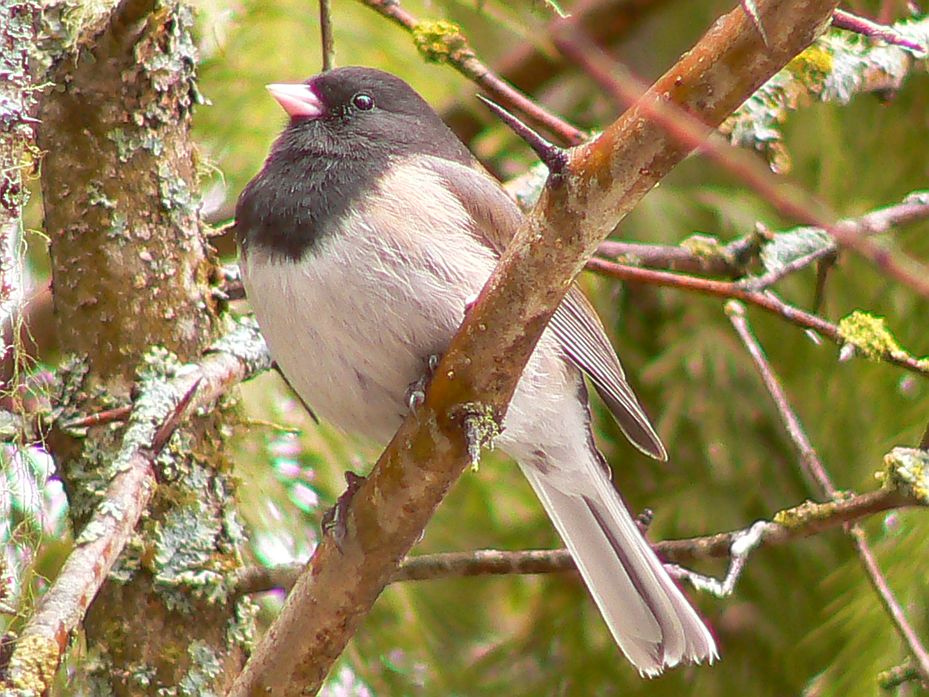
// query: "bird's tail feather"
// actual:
[[648, 615]]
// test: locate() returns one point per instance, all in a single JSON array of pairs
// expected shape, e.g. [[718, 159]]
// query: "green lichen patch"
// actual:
[[440, 40], [787, 247], [871, 337], [242, 627], [204, 668], [805, 513], [907, 469], [482, 427], [812, 65], [191, 556]]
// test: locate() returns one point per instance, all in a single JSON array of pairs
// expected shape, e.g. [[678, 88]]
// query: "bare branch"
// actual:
[[914, 207], [444, 42], [696, 254], [766, 301], [533, 65], [860, 25], [601, 183], [788, 198], [815, 469], [796, 523], [36, 653], [326, 34]]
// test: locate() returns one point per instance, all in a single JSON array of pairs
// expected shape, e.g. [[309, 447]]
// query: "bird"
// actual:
[[361, 240]]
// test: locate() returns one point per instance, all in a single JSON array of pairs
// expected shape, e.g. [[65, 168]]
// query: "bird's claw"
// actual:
[[334, 521], [416, 393]]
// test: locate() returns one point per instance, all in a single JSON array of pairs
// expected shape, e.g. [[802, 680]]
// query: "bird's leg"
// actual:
[[334, 521], [644, 519], [416, 392]]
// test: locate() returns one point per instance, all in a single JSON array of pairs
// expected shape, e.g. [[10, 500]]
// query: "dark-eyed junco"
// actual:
[[362, 238]]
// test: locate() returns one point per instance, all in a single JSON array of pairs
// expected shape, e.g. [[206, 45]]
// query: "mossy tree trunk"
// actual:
[[131, 280]]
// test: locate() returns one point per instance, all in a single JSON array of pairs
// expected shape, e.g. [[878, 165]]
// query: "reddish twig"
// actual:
[[101, 417], [913, 208], [859, 25], [462, 58], [815, 469], [789, 199], [532, 64], [723, 289], [729, 260]]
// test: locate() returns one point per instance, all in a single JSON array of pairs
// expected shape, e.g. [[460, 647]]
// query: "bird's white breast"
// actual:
[[352, 323]]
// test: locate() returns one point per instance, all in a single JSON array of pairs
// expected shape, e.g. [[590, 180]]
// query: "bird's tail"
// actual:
[[648, 615]]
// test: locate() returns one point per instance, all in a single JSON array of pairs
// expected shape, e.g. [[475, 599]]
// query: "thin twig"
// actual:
[[462, 58], [101, 417], [790, 199], [721, 261], [803, 521], [532, 64], [914, 207], [766, 301], [849, 22], [553, 157], [234, 358], [815, 469], [327, 35]]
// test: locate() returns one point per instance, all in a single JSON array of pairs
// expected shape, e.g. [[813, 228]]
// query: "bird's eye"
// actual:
[[363, 101]]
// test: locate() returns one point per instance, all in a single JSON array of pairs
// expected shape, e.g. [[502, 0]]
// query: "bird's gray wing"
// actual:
[[575, 322]]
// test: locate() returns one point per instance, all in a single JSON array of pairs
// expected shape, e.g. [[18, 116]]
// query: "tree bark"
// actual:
[[131, 281]]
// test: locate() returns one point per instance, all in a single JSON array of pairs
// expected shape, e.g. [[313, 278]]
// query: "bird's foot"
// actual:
[[416, 392], [644, 519], [335, 521]]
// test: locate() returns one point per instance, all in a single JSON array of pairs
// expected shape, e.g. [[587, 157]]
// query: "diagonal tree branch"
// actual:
[[601, 183]]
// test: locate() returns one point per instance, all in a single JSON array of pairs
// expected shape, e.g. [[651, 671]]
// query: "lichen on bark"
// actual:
[[131, 275]]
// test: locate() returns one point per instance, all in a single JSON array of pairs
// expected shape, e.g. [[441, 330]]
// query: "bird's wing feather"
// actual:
[[575, 322]]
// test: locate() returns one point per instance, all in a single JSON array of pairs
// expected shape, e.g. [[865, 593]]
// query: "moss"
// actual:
[[440, 40]]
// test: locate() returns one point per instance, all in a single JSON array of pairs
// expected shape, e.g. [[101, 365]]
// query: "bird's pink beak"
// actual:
[[297, 100]]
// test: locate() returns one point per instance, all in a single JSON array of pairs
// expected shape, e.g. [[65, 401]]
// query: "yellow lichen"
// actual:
[[806, 512], [440, 40], [869, 335], [33, 664], [812, 65]]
